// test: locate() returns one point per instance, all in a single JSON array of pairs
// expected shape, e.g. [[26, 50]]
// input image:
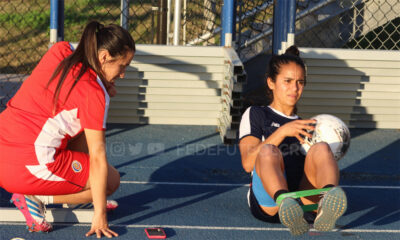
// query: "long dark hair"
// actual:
[[291, 55], [113, 38]]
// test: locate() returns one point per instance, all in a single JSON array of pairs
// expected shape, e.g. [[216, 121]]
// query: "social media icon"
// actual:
[[135, 149], [154, 148], [117, 149]]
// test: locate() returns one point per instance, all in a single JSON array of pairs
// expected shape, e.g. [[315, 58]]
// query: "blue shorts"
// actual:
[[263, 198]]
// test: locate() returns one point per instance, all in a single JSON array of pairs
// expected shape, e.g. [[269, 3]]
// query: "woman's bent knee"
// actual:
[[320, 146], [114, 180], [319, 152], [269, 152], [269, 156]]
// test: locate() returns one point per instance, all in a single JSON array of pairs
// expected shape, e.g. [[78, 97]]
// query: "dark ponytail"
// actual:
[[113, 38], [293, 50], [291, 55]]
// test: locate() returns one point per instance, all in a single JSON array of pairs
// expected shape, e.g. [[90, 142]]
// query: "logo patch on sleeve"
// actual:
[[76, 166]]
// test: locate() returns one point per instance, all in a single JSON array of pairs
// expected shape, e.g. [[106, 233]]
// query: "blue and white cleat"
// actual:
[[332, 205]]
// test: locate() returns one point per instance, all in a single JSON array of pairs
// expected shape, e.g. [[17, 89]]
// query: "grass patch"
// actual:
[[24, 26], [23, 34]]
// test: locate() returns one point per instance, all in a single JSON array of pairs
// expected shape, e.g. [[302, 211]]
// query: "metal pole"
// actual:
[[237, 47], [184, 21], [158, 11], [277, 32], [177, 21], [291, 23], [53, 21], [153, 29], [234, 19], [124, 14], [227, 23], [283, 26], [168, 21], [60, 31], [162, 22]]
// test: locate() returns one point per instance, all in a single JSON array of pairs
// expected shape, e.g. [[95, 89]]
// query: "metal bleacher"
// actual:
[[181, 85], [361, 87]]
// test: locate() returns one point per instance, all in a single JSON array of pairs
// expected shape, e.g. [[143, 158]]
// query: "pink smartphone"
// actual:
[[155, 233]]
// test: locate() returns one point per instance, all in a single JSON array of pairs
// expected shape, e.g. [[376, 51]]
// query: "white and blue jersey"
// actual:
[[261, 122]]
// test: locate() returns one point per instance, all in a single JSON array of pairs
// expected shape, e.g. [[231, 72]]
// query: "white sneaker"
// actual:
[[332, 205], [292, 216]]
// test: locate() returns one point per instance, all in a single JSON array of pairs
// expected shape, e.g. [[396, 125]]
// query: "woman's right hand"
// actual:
[[100, 226], [297, 128]]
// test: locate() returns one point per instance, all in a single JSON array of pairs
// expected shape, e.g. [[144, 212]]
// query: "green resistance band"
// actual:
[[304, 193]]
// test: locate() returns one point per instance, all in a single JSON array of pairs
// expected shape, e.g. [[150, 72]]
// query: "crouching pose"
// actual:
[[52, 142], [270, 138]]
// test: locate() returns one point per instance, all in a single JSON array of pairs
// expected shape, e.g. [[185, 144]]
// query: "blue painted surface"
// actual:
[[276, 39], [291, 23], [283, 21], [194, 154], [53, 14], [227, 19]]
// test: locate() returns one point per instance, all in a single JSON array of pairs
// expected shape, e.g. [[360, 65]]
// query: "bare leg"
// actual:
[[270, 168], [320, 169], [79, 144], [85, 196]]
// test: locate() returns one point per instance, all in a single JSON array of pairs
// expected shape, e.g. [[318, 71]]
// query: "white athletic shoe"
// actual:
[[292, 216], [332, 205]]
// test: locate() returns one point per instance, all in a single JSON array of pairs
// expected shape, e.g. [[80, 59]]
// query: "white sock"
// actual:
[[45, 199]]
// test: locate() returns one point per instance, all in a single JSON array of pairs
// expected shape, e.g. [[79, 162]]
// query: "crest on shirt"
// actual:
[[76, 166], [274, 124]]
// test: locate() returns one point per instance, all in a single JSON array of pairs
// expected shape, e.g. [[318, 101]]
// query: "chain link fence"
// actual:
[[360, 24], [255, 27], [24, 32], [24, 29], [141, 18], [23, 40], [372, 24], [201, 22], [356, 24]]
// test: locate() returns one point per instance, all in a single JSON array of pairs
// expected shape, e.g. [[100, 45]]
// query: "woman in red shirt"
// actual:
[[52, 142]]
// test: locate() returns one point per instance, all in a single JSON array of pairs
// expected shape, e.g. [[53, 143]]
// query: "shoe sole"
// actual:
[[19, 201], [291, 215], [334, 205]]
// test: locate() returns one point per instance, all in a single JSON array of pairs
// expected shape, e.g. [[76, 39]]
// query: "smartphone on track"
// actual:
[[155, 233]]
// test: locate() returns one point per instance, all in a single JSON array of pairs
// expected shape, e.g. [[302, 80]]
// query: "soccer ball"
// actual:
[[331, 130]]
